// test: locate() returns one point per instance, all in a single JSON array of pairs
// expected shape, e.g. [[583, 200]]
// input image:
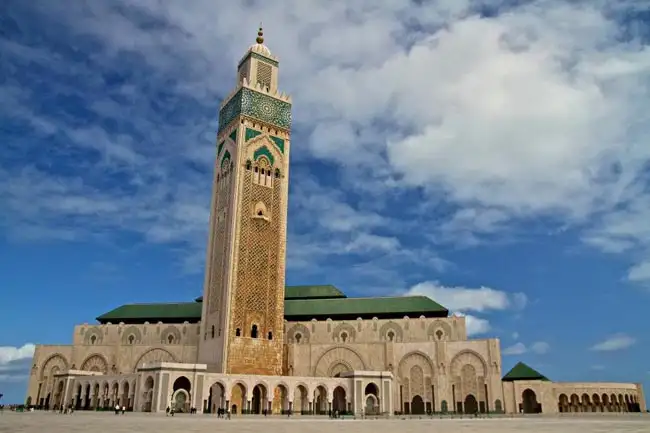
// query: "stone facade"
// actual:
[[242, 354]]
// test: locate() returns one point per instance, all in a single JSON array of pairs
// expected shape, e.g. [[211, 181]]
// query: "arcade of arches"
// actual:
[[598, 403]]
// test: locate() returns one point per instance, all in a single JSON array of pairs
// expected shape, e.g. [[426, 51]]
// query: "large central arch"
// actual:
[[332, 360]]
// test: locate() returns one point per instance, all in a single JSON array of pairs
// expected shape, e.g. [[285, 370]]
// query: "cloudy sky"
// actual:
[[492, 155]]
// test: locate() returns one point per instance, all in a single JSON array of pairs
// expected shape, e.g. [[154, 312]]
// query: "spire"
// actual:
[[260, 35]]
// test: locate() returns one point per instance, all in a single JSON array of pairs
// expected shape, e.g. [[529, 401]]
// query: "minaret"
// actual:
[[243, 296]]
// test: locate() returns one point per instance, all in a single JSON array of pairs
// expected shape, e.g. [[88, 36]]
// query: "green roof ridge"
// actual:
[[522, 371]]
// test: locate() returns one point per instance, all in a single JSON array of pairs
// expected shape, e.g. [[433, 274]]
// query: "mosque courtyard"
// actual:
[[38, 422]]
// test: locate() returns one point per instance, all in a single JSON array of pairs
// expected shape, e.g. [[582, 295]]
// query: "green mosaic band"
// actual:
[[257, 105]]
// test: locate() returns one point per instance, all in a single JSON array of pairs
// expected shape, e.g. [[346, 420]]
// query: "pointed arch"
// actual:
[[263, 151]]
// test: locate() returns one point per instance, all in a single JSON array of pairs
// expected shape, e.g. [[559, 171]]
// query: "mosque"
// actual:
[[253, 345]]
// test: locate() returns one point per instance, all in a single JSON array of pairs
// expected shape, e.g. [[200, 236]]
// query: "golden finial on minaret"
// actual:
[[260, 35]]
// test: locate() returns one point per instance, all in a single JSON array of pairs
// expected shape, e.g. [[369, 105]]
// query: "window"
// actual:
[[344, 336], [260, 212], [212, 331], [277, 172], [170, 339], [131, 339], [237, 332], [256, 170], [270, 336], [93, 339], [297, 337], [248, 165], [254, 331], [391, 335], [439, 334]]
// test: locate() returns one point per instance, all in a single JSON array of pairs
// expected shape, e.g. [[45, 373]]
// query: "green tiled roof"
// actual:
[[351, 308], [294, 309], [180, 311], [523, 372], [307, 292], [312, 292]]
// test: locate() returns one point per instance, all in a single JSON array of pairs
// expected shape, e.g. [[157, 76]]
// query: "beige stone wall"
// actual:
[[572, 396], [431, 358], [112, 349]]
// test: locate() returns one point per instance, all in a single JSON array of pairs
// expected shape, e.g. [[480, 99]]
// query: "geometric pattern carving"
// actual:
[[95, 362], [468, 357], [260, 58], [298, 329], [350, 333], [170, 335], [264, 73], [54, 364], [338, 355], [263, 151], [131, 335], [250, 134], [153, 355], [415, 358], [397, 333], [279, 143], [257, 105], [93, 332], [439, 330]]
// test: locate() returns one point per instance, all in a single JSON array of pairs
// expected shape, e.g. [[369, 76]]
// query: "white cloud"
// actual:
[[516, 349], [479, 299], [547, 98], [460, 300], [614, 342], [11, 354], [474, 325], [515, 335], [519, 348]]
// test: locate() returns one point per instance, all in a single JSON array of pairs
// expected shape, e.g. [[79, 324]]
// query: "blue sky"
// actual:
[[490, 155]]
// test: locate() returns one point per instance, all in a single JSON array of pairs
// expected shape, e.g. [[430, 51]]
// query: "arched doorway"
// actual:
[[148, 394], [126, 400], [470, 405], [181, 395], [498, 406], [339, 402], [563, 403], [238, 398], [216, 397], [417, 405], [300, 399], [258, 402], [320, 400], [280, 399], [372, 396], [586, 403], [529, 401]]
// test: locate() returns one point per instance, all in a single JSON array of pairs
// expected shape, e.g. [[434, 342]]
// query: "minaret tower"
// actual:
[[243, 296]]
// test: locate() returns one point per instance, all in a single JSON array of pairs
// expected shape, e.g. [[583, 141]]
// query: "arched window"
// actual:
[[391, 335], [344, 336], [131, 339], [270, 336], [237, 332], [212, 331], [277, 172], [254, 331], [256, 170], [248, 165], [93, 339], [170, 339], [439, 334], [298, 336]]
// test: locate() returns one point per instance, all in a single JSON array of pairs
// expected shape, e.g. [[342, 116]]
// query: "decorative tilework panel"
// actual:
[[257, 105], [220, 147], [233, 135], [226, 158], [263, 151], [279, 143], [260, 58], [251, 133]]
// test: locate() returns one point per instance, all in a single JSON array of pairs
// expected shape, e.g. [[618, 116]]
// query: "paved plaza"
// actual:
[[144, 423]]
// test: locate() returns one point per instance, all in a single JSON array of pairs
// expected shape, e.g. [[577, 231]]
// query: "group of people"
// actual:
[[118, 409]]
